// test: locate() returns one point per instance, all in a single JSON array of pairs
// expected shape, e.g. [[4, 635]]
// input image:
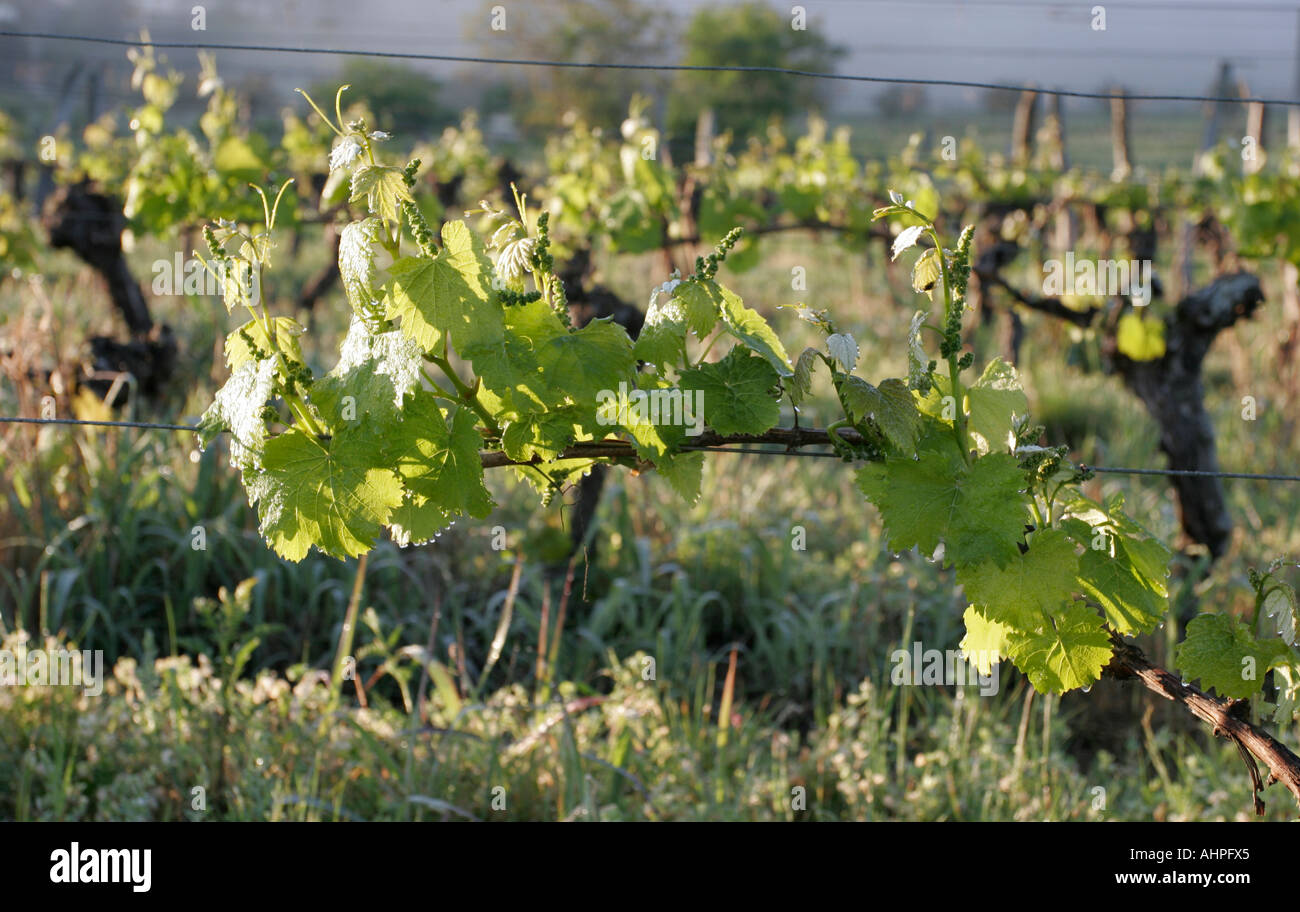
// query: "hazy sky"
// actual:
[[1148, 45]]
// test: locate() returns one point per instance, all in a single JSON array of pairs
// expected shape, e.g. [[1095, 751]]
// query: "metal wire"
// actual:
[[742, 450], [1193, 473], [658, 67], [146, 425]]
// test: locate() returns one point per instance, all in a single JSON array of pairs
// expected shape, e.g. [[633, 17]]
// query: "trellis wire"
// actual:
[[657, 67], [743, 450]]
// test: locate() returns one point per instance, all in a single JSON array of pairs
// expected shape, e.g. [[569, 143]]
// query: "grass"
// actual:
[[181, 739], [770, 663]]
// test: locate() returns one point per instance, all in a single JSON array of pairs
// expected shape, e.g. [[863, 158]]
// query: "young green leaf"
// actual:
[[541, 434], [1220, 651], [985, 642], [1032, 587], [286, 329], [683, 472], [662, 339], [439, 464], [374, 372], [800, 385], [237, 408], [749, 327], [890, 405], [995, 400], [1279, 604], [449, 293], [844, 349], [588, 360], [737, 393], [357, 268], [926, 273], [1130, 604], [1286, 677], [383, 188], [514, 381], [979, 510], [918, 362], [335, 495], [657, 432], [1068, 653], [906, 239], [699, 302]]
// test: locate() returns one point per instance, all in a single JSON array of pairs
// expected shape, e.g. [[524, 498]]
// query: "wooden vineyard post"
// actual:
[[1022, 128], [1059, 159], [1119, 141]]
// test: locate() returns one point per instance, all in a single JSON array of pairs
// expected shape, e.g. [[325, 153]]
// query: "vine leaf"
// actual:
[[978, 510], [1279, 603], [1220, 651], [801, 383], [440, 465], [890, 405], [1286, 677], [1069, 653], [382, 187], [995, 399], [237, 284], [357, 268], [736, 393], [514, 382], [1130, 604], [918, 362], [334, 494], [656, 441], [663, 335], [591, 359], [1148, 554], [844, 349], [1128, 577], [683, 472], [1030, 588], [926, 273], [541, 434], [448, 293], [553, 476], [699, 303], [286, 330], [906, 239], [749, 327], [237, 408], [376, 370], [985, 642], [345, 152], [417, 521]]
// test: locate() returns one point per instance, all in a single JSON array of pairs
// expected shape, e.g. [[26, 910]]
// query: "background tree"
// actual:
[[586, 31], [750, 33]]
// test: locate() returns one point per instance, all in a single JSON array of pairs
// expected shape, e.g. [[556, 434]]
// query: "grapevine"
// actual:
[[461, 356]]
